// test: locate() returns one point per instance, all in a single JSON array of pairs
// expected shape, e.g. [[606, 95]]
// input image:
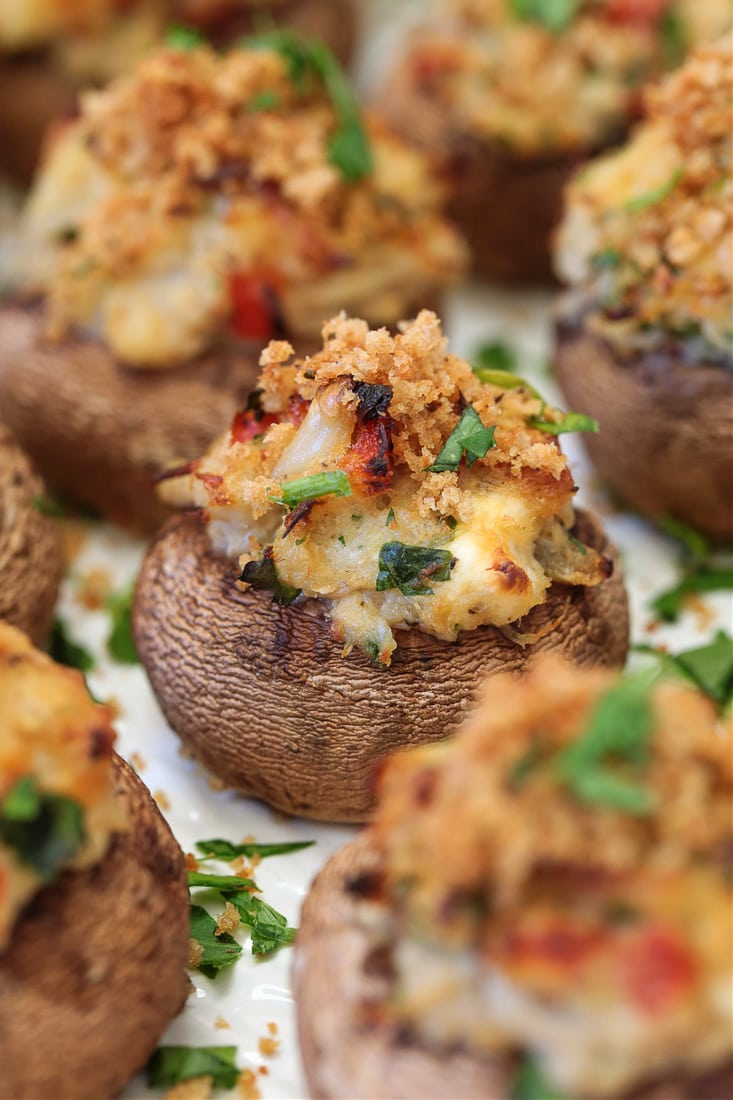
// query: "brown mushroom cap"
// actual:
[[352, 1050], [31, 555], [666, 427], [101, 432], [506, 204], [95, 968], [262, 696]]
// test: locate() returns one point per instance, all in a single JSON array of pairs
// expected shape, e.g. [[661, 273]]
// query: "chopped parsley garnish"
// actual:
[[264, 101], [668, 604], [496, 355], [390, 517], [183, 38], [268, 928], [605, 259], [674, 37], [333, 483], [217, 951], [44, 829], [262, 575], [617, 733], [342, 540], [569, 422], [709, 667], [656, 195], [469, 437], [120, 642], [530, 1083], [47, 506], [412, 569], [348, 146], [170, 1065], [224, 850], [525, 765], [68, 652], [556, 15]]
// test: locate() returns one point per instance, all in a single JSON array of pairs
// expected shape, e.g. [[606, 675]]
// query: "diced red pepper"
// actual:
[[253, 307], [658, 968], [247, 424], [559, 944], [636, 12]]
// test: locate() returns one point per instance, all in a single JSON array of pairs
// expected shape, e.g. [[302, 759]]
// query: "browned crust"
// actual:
[[101, 432], [263, 698], [506, 204], [96, 967], [31, 554], [351, 1050], [666, 427]]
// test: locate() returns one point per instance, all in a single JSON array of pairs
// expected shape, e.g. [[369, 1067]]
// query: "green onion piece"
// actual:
[[504, 380], [496, 355], [218, 951], [555, 15], [183, 38], [170, 1065], [348, 146], [570, 422], [230, 883], [333, 483], [530, 1083], [657, 195], [223, 849], [469, 437], [412, 569], [618, 732], [44, 829]]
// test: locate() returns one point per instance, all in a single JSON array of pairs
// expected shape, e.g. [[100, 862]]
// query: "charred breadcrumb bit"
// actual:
[[192, 863], [221, 1024], [272, 1027], [138, 761]]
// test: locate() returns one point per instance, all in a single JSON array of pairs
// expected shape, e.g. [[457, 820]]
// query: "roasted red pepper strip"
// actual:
[[638, 13], [658, 968]]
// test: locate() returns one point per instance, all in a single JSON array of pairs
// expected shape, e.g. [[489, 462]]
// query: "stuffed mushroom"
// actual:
[[93, 896], [540, 908], [197, 208], [511, 96], [31, 555], [398, 525], [49, 49], [644, 337]]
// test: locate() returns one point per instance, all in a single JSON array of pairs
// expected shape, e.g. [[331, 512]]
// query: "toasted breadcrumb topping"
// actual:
[[521, 917], [53, 733], [476, 56], [197, 197], [647, 233], [375, 411], [503, 835]]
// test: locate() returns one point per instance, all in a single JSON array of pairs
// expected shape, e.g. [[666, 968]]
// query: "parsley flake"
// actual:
[[412, 569], [217, 951], [469, 437], [530, 1083], [172, 1064], [555, 15], [43, 828], [120, 642]]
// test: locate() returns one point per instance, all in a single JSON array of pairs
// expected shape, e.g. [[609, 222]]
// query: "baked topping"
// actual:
[[207, 194], [543, 78], [559, 878], [385, 478], [647, 233], [57, 803]]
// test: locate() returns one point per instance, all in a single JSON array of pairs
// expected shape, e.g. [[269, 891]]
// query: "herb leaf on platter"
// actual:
[[225, 850], [217, 951], [169, 1065]]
